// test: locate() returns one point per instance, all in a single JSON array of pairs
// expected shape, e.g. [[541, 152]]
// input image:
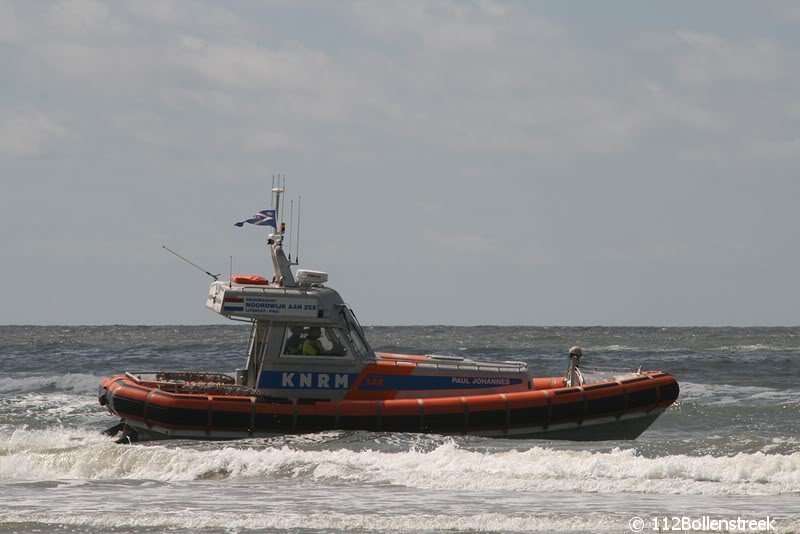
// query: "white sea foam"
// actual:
[[681, 351], [49, 408], [782, 443], [756, 348], [725, 394], [615, 348], [60, 454], [497, 522], [199, 520], [73, 382]]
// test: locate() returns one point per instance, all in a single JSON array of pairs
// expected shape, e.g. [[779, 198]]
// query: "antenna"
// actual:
[[297, 249], [284, 191], [230, 280], [277, 191], [289, 233], [214, 276]]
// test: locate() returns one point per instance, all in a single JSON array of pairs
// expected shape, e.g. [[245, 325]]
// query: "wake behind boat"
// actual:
[[311, 368]]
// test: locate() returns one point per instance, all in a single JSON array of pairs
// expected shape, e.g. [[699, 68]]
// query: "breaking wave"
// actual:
[[71, 382], [62, 454], [726, 394], [229, 522]]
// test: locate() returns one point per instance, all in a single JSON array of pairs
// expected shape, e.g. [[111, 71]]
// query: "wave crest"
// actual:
[[49, 455], [72, 382]]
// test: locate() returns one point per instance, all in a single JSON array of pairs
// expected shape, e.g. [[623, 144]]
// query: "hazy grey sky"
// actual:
[[545, 163]]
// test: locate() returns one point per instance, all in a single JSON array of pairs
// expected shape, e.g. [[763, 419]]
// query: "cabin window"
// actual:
[[355, 338], [311, 340]]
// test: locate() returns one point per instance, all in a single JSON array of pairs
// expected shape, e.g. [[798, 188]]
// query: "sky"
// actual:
[[460, 162]]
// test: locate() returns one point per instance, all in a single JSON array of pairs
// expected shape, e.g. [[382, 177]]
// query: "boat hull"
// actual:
[[604, 411]]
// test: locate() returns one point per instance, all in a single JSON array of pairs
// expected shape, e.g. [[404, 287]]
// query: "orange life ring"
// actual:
[[249, 279]]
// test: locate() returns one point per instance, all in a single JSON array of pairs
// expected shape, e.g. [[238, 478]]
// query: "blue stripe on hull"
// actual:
[[415, 382]]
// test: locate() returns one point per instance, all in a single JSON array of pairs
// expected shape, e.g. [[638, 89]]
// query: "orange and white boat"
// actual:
[[311, 368]]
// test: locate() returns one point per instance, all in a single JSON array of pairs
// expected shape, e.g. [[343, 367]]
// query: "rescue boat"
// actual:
[[310, 368]]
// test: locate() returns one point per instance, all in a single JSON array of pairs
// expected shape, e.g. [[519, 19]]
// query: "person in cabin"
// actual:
[[294, 345], [312, 346]]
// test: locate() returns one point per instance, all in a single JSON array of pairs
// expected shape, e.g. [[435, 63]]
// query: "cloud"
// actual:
[[77, 17], [454, 27], [9, 27], [670, 109], [487, 77], [26, 133], [471, 77], [456, 77], [706, 58], [784, 11], [723, 101]]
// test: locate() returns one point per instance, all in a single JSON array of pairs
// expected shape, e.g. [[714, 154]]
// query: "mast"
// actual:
[[280, 263]]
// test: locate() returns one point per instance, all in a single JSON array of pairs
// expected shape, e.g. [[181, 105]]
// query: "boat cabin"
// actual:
[[305, 343], [304, 339]]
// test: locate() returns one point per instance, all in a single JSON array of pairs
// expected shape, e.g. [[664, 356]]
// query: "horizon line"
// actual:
[[161, 325]]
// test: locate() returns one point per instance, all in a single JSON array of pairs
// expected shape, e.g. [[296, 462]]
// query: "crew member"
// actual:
[[294, 345], [312, 346]]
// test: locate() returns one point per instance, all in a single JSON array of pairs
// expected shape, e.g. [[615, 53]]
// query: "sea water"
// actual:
[[729, 448]]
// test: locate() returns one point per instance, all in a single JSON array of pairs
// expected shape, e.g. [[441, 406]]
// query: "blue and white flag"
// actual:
[[262, 218]]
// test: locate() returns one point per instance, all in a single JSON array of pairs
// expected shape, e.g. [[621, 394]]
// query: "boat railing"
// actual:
[[456, 364], [611, 369], [180, 377], [608, 373], [448, 358]]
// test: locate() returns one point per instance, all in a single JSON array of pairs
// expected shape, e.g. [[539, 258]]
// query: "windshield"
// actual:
[[311, 340]]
